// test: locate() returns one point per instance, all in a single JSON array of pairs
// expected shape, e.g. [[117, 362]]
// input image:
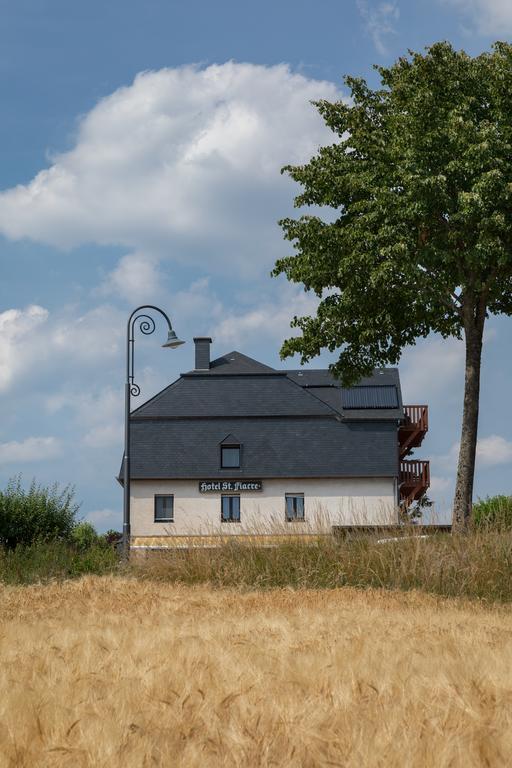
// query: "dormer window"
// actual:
[[230, 456]]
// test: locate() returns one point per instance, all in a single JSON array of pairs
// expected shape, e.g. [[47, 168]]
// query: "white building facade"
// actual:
[[235, 448]]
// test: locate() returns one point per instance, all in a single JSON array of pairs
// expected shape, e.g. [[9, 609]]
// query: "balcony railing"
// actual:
[[413, 429], [417, 415], [414, 480]]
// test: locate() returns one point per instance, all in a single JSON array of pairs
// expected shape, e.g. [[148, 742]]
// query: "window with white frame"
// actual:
[[164, 508], [294, 507]]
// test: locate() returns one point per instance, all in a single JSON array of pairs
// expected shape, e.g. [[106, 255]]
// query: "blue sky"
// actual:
[[140, 148]]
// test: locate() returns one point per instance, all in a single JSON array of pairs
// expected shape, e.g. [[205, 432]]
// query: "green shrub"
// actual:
[[84, 536], [37, 514], [493, 512], [45, 561], [112, 537]]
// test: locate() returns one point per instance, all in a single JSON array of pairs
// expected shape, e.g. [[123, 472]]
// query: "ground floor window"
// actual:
[[294, 507], [164, 509], [230, 509]]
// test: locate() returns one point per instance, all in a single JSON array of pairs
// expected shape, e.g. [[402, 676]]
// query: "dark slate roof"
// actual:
[[290, 424], [280, 447], [234, 363], [322, 384], [205, 396]]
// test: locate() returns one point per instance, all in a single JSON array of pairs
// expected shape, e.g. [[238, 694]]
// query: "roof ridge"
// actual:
[[318, 399], [156, 396], [258, 363]]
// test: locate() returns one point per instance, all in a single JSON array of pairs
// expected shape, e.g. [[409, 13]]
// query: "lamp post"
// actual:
[[146, 325]]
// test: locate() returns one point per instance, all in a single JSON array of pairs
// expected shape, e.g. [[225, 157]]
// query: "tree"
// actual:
[[39, 514], [420, 178]]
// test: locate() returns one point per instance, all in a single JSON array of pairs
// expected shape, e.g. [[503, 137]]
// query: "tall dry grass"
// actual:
[[478, 565], [106, 672]]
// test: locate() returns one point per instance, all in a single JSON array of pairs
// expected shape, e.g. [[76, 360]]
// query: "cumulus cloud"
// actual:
[[493, 450], [30, 449], [33, 339], [99, 414], [184, 163], [17, 327], [380, 21], [198, 305], [136, 278], [490, 451], [445, 357], [269, 319], [105, 519], [487, 17], [439, 484]]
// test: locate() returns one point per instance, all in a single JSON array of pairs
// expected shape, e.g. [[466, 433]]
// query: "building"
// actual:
[[235, 447]]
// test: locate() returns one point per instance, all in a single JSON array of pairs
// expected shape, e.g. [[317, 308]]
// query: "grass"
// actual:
[[478, 565], [108, 671], [54, 560]]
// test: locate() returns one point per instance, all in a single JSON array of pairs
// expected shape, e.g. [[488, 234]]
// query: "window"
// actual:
[[294, 507], [230, 509], [230, 456], [164, 509]]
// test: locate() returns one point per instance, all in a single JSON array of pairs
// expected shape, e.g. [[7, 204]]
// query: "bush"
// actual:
[[39, 514], [84, 536], [493, 512], [113, 538], [40, 562]]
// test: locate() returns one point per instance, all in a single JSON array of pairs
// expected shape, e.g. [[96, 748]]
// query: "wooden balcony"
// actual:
[[413, 429], [414, 480]]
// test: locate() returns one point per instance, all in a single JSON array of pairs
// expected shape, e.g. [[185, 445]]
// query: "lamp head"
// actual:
[[172, 340]]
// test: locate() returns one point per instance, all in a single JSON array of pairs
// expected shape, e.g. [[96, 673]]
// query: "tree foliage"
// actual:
[[37, 514], [420, 179], [84, 535]]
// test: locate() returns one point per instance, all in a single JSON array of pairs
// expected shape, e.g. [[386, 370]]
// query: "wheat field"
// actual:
[[110, 671]]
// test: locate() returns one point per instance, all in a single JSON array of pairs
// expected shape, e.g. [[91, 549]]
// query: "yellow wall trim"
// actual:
[[187, 542]]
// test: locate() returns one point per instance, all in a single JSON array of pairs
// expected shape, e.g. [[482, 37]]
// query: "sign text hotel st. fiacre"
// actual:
[[206, 486]]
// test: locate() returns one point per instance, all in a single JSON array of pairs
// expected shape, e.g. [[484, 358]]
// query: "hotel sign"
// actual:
[[207, 486]]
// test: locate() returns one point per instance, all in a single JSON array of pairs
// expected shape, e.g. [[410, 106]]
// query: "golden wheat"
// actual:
[[114, 672]]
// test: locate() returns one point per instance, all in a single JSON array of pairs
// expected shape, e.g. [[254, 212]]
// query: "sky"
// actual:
[[141, 144]]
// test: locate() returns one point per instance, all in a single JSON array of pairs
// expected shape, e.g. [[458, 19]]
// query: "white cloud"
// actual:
[[490, 451], [380, 21], [105, 519], [494, 450], [87, 337], [33, 340], [269, 319], [17, 327], [184, 163], [433, 366], [488, 17], [135, 278], [430, 367], [439, 485], [30, 449], [198, 304], [99, 414]]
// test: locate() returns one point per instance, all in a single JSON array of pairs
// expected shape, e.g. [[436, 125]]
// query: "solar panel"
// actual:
[[370, 397]]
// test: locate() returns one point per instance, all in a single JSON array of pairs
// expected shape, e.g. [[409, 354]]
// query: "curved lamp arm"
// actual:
[[146, 326]]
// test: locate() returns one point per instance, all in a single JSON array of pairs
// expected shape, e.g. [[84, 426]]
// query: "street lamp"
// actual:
[[146, 326]]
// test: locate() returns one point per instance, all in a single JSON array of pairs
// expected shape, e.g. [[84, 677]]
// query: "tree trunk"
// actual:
[[463, 499]]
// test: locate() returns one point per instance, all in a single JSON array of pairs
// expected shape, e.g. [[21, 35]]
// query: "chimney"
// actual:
[[202, 344]]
